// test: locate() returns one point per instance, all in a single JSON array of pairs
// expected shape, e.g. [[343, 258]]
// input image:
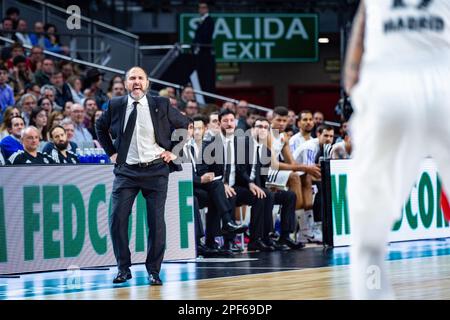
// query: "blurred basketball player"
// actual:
[[397, 73]]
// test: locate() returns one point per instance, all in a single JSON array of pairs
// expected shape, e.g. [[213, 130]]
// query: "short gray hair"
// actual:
[[24, 131], [47, 87]]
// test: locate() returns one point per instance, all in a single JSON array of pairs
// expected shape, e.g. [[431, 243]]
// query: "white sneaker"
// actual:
[[316, 236]]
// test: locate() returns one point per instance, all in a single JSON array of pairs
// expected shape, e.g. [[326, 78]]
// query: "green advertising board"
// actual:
[[259, 37], [57, 217]]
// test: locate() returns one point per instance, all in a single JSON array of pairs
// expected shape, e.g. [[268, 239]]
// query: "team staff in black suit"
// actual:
[[224, 155], [135, 131], [258, 164]]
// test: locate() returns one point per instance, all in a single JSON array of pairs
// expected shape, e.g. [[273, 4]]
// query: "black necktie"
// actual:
[[127, 135], [228, 163], [258, 168]]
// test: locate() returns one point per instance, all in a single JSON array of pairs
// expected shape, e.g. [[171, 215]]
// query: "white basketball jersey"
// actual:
[[407, 31]]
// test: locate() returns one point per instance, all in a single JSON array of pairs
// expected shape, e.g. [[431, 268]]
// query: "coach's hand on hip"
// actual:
[[168, 156]]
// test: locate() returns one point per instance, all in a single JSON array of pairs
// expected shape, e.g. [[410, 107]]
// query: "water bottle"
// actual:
[[277, 225], [87, 155], [80, 155]]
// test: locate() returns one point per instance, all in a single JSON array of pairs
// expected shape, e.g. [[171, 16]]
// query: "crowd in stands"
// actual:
[[48, 110]]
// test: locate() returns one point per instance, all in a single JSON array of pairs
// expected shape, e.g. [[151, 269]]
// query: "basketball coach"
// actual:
[[135, 132]]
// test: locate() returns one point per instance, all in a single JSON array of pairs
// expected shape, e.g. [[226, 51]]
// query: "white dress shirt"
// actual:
[[255, 148], [143, 146]]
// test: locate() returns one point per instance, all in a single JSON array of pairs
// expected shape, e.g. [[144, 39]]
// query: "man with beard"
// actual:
[[306, 124], [30, 153], [141, 126], [12, 143], [58, 148]]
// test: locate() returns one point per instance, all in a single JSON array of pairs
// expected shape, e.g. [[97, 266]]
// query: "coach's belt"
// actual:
[[146, 164]]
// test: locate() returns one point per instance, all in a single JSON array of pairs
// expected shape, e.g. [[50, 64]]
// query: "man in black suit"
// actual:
[[257, 168], [226, 157], [203, 50], [135, 131]]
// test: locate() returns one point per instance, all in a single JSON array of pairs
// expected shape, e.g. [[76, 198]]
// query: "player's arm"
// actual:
[[355, 50]]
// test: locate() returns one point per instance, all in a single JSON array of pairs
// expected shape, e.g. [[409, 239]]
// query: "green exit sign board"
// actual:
[[259, 37]]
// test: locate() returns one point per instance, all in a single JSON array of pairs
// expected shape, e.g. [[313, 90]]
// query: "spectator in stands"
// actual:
[[6, 92], [342, 149], [55, 118], [26, 104], [49, 91], [117, 90], [242, 111], [21, 76], [13, 13], [30, 153], [39, 119], [93, 83], [12, 143], [46, 104], [22, 33], [42, 77], [63, 92], [68, 109], [75, 86], [229, 105], [292, 121], [37, 37], [69, 126], [91, 107], [318, 120], [36, 58], [191, 108], [269, 115], [186, 95], [171, 92], [7, 32], [95, 117], [306, 124], [17, 49], [9, 113], [213, 126], [51, 40], [112, 82], [33, 89], [58, 146], [82, 137], [67, 69], [252, 115]]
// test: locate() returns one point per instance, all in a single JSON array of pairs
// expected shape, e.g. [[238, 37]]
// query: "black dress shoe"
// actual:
[[259, 245], [122, 276], [278, 246], [205, 251], [291, 243], [216, 251], [233, 228], [155, 280], [231, 245]]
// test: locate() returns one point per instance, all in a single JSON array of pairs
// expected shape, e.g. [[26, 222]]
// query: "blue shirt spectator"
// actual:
[[6, 92]]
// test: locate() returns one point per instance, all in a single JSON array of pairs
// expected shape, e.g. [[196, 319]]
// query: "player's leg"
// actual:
[[386, 159]]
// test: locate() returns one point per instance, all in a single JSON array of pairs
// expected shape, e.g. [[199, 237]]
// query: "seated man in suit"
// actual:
[[208, 192], [223, 156], [259, 160]]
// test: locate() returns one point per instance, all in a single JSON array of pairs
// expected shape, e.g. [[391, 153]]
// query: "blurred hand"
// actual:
[[314, 171], [113, 158], [257, 191], [168, 156], [229, 191], [207, 177]]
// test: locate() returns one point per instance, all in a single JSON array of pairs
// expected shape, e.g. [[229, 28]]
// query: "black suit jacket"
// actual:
[[110, 126], [246, 168], [213, 159], [204, 32]]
